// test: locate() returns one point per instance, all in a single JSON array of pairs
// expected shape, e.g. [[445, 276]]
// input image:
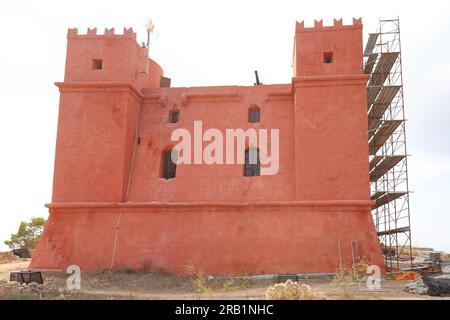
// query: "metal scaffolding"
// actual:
[[387, 144]]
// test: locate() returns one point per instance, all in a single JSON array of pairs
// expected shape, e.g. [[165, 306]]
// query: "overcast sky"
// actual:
[[214, 43]]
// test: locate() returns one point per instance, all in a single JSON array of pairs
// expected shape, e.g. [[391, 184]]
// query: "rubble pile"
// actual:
[[47, 290], [438, 286], [425, 261], [8, 257], [432, 285], [417, 287], [445, 268]]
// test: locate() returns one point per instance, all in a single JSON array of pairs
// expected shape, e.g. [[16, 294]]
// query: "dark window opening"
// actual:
[[174, 116], [328, 57], [97, 64], [254, 115], [164, 82], [169, 167], [252, 163]]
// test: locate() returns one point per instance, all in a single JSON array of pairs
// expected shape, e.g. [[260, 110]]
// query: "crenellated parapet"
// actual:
[[99, 57], [318, 26], [328, 50], [128, 33]]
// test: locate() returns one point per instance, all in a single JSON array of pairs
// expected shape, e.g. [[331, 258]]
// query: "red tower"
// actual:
[[113, 208]]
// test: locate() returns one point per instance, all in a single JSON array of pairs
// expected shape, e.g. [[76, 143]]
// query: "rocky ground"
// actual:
[[123, 285], [129, 284], [8, 257]]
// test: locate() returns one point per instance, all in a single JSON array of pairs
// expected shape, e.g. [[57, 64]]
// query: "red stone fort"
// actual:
[[118, 203]]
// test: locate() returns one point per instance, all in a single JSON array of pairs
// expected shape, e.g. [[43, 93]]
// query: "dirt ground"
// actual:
[[127, 284], [7, 268]]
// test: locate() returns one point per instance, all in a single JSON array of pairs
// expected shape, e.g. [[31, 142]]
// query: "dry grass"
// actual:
[[349, 276], [199, 282], [355, 272]]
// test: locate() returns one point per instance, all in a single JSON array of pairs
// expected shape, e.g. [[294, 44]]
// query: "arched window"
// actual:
[[254, 115], [252, 163], [169, 167]]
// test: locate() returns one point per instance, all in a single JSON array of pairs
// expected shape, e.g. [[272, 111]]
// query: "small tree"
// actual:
[[28, 235]]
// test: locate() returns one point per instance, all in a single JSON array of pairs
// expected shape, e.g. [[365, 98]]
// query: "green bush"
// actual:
[[28, 235]]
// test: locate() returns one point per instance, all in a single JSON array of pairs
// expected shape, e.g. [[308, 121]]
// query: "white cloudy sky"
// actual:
[[214, 43]]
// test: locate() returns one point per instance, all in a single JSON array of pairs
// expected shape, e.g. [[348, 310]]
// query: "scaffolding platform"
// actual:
[[374, 125], [377, 195], [371, 60], [383, 68], [393, 231], [386, 198], [383, 101], [371, 43], [372, 94], [375, 160], [383, 134], [385, 165]]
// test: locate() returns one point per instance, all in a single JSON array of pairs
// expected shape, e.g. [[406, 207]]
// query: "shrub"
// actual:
[[198, 282], [349, 273], [291, 290]]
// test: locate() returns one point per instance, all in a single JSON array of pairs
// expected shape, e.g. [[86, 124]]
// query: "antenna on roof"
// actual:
[[150, 26], [257, 83]]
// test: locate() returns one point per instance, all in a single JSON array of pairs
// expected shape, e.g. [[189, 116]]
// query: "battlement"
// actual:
[[328, 50], [128, 33], [318, 26], [109, 56]]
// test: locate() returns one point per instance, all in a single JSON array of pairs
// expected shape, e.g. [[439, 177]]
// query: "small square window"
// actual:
[[174, 116], [328, 57], [97, 64]]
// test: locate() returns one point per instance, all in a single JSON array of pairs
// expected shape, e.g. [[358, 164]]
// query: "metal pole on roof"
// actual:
[[150, 26]]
